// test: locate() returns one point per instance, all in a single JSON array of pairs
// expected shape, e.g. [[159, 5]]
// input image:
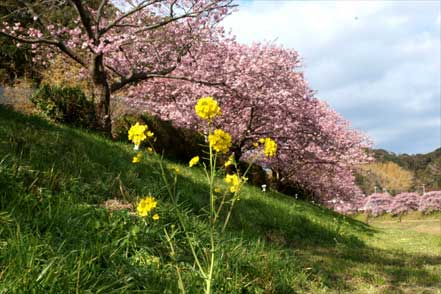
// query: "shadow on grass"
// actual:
[[387, 271], [292, 227]]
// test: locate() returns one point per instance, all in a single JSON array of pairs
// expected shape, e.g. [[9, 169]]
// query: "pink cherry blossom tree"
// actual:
[[430, 202], [143, 40], [404, 203], [263, 93], [349, 206], [378, 204]]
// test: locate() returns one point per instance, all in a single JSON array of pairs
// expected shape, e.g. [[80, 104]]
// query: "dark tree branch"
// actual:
[[205, 83], [112, 69], [56, 43], [69, 52], [161, 75], [31, 41], [138, 77], [99, 14], [86, 20]]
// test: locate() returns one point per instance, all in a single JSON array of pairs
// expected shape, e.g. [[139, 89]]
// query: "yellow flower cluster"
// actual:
[[230, 161], [220, 141], [137, 158], [137, 134], [175, 170], [207, 108], [146, 205], [270, 146], [194, 161], [234, 182]]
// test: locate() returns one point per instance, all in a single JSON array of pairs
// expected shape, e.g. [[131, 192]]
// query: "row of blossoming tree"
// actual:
[[380, 203], [165, 54]]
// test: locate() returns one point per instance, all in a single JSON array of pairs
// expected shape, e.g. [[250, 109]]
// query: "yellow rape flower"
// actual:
[[220, 141], [155, 216], [230, 161], [207, 108], [137, 158], [146, 205], [270, 147], [137, 133], [150, 134], [193, 161], [234, 182]]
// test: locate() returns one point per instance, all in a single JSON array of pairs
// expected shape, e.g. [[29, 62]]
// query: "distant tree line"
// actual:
[[398, 173]]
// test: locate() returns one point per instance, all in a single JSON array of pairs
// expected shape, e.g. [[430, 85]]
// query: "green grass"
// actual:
[[56, 236]]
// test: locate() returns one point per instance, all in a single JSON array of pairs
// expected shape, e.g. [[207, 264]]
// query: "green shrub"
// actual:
[[122, 124], [66, 105], [178, 143]]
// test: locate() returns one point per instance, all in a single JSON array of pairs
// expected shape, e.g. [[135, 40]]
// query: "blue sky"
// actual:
[[376, 62]]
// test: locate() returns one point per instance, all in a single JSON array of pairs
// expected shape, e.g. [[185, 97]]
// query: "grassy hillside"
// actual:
[[59, 235]]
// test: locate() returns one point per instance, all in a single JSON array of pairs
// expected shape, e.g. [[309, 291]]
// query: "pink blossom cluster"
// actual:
[[430, 202], [404, 203], [378, 204], [350, 206]]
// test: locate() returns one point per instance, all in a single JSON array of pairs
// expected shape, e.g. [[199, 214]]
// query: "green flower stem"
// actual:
[[221, 205], [211, 269], [209, 279], [236, 194], [227, 219], [181, 220], [173, 254]]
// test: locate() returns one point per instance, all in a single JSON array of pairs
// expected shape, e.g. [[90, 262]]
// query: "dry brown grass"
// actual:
[[18, 96], [116, 204]]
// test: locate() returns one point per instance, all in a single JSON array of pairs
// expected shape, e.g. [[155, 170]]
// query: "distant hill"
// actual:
[[401, 172]]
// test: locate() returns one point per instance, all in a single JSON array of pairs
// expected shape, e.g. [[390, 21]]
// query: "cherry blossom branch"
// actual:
[[139, 7], [186, 15]]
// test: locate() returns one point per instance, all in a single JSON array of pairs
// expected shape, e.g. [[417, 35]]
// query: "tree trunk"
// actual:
[[101, 93], [237, 150]]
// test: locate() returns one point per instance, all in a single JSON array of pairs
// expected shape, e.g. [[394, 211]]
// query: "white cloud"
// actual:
[[377, 62]]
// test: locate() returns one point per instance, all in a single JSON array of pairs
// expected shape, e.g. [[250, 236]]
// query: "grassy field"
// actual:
[[59, 235]]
